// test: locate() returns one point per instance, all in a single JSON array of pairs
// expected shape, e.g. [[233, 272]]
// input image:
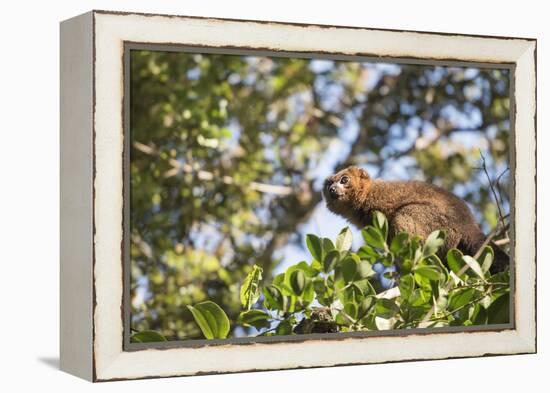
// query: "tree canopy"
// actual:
[[228, 154]]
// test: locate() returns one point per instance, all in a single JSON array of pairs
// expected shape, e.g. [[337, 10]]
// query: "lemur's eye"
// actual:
[[344, 180]]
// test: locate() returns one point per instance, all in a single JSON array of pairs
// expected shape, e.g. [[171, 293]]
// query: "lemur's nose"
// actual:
[[332, 190]]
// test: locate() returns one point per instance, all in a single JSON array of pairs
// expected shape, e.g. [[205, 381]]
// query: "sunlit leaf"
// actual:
[[314, 246], [331, 260], [211, 319], [474, 265], [433, 242], [406, 285], [373, 237], [349, 268], [429, 272], [344, 240], [250, 289], [284, 328], [386, 308], [298, 281], [256, 318], [365, 306], [274, 298], [486, 258], [147, 336], [381, 223], [364, 270], [399, 242], [460, 297]]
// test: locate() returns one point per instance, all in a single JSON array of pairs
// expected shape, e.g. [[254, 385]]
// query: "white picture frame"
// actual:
[[92, 194]]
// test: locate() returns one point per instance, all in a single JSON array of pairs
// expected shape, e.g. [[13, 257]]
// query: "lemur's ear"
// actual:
[[362, 173]]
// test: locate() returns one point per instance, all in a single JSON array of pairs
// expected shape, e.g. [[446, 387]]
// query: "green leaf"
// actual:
[[147, 336], [368, 253], [386, 308], [298, 282], [406, 286], [314, 246], [351, 294], [420, 298], [364, 270], [308, 294], [479, 315], [308, 270], [351, 309], [499, 310], [415, 249], [434, 240], [433, 260], [474, 265], [256, 318], [500, 277], [324, 292], [250, 289], [406, 266], [284, 328], [374, 237], [349, 268], [320, 286], [341, 319], [344, 240], [381, 223], [316, 265], [274, 298], [365, 287], [429, 272], [327, 245], [399, 242], [460, 297], [331, 260], [302, 267], [289, 304], [203, 323], [486, 258], [455, 262], [365, 306], [211, 319]]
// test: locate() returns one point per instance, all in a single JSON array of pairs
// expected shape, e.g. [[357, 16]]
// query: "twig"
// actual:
[[502, 242], [484, 167], [449, 313], [496, 232], [479, 285], [497, 182]]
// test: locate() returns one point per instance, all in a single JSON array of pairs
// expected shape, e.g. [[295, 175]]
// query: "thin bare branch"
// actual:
[[502, 242], [491, 186]]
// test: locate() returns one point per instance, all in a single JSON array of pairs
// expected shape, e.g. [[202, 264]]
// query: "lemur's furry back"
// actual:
[[415, 207]]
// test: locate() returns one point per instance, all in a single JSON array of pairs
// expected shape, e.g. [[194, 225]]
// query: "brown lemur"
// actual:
[[415, 207]]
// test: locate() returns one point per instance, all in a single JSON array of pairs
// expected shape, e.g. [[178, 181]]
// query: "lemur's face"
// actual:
[[342, 188]]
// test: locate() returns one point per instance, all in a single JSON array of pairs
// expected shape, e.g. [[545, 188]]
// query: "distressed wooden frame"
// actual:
[[93, 46]]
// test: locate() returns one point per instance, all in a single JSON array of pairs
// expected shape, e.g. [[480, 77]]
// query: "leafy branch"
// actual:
[[340, 291]]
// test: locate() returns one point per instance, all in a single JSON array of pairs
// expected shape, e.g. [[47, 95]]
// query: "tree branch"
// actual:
[[484, 168], [178, 167]]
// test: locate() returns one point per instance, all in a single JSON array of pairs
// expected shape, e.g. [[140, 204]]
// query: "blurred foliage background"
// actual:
[[228, 154]]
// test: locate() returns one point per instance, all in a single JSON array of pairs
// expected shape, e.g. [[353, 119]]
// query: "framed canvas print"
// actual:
[[244, 195]]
